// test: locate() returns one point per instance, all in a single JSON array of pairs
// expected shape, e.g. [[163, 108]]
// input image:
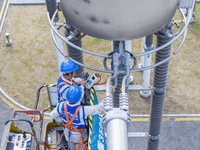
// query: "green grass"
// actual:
[[93, 41], [195, 28]]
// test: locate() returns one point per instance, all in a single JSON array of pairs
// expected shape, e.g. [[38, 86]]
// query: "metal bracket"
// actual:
[[146, 49], [116, 113], [159, 90], [167, 31], [154, 137], [185, 3]]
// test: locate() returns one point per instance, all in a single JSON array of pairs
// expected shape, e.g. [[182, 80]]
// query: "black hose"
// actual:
[[38, 96]]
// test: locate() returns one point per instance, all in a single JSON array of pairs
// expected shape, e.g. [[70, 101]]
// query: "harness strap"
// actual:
[[64, 82], [69, 122], [82, 143], [69, 125], [73, 83]]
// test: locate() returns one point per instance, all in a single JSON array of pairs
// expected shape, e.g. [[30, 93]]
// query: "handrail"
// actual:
[[29, 112], [56, 44], [170, 42], [185, 33], [152, 66], [107, 71], [80, 64]]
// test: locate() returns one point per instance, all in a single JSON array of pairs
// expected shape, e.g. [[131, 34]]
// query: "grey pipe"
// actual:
[[125, 79], [160, 81], [117, 135], [110, 78]]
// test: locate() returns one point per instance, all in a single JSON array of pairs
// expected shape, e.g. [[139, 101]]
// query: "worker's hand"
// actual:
[[113, 89], [84, 82]]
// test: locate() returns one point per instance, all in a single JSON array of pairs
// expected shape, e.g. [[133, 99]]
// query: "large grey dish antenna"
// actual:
[[119, 19]]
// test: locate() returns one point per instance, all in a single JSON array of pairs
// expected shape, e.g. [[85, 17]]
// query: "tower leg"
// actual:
[[140, 65], [51, 8], [60, 57], [147, 62], [128, 47]]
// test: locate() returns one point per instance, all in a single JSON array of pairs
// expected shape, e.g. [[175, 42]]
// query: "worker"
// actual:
[[74, 117], [68, 68]]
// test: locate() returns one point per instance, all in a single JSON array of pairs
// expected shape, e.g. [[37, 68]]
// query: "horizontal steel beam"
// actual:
[[131, 87]]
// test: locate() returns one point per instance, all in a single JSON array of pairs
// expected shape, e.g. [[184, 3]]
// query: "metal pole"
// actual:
[[51, 8], [117, 132], [60, 57], [142, 50], [117, 138], [128, 47], [147, 62], [160, 81]]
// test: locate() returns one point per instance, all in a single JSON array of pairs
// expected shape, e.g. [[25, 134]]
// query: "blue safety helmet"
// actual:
[[74, 94], [68, 66]]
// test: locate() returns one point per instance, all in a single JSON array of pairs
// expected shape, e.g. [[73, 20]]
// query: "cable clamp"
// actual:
[[154, 137], [116, 113], [159, 90], [148, 48]]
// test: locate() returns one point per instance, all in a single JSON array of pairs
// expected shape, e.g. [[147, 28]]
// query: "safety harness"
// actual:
[[73, 83], [70, 128], [61, 83]]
